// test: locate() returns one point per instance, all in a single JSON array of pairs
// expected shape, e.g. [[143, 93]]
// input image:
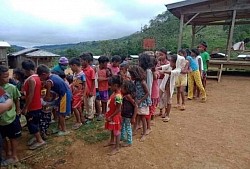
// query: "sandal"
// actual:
[[37, 145], [182, 107], [166, 119], [177, 106], [76, 126]]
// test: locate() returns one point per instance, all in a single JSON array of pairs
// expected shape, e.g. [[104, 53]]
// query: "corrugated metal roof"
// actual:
[[4, 44], [41, 53], [24, 51]]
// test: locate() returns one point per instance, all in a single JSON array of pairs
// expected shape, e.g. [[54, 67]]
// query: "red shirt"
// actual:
[[90, 79], [36, 100], [102, 85]]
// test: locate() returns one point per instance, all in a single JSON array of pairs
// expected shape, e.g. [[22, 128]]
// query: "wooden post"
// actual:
[[229, 45], [36, 61], [181, 31], [193, 36]]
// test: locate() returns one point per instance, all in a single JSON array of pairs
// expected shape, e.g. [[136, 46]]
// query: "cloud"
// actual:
[[37, 22]]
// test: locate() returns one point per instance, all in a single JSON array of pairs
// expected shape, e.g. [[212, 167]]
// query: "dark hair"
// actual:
[[87, 57], [153, 61], [145, 61], [137, 73], [173, 58], [75, 61], [116, 79], [60, 73], [246, 40], [116, 58], [195, 51], [103, 59], [42, 69], [188, 52], [164, 50], [129, 87], [69, 78], [3, 69], [182, 51], [19, 73], [28, 65]]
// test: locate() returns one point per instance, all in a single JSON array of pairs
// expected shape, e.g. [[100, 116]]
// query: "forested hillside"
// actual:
[[164, 28]]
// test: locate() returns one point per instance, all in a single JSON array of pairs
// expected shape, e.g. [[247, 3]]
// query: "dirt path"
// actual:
[[211, 135]]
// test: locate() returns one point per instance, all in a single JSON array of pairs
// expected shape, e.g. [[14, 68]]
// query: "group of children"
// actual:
[[125, 95]]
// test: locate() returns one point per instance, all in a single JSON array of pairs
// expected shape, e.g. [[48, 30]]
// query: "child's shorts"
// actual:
[[64, 104], [143, 111], [33, 121], [181, 80], [104, 95], [97, 95], [12, 130]]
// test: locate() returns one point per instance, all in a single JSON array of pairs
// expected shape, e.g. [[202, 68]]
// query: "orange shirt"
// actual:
[[102, 85], [90, 79]]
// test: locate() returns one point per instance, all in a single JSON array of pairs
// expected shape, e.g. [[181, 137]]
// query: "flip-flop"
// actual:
[[166, 119]]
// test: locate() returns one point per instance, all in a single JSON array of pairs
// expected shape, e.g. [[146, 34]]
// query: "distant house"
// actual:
[[3, 52], [39, 56]]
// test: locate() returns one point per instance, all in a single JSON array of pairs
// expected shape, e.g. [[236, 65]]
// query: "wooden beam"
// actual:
[[193, 36], [200, 28], [231, 36], [222, 23], [180, 32], [191, 19]]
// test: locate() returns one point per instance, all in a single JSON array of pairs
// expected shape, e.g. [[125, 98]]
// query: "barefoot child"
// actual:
[[143, 100], [57, 84], [78, 91], [129, 111], [10, 126], [113, 115]]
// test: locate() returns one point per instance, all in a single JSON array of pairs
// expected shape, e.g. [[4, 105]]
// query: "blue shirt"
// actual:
[[58, 85], [192, 63]]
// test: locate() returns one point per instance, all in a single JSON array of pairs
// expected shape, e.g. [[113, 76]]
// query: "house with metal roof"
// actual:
[[39, 56], [3, 52]]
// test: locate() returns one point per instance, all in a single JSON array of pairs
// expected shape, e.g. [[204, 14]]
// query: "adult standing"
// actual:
[[62, 65]]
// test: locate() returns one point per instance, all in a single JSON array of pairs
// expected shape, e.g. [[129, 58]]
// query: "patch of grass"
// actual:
[[93, 132], [66, 142]]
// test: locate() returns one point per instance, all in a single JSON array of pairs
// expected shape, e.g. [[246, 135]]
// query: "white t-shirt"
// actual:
[[239, 46], [197, 58]]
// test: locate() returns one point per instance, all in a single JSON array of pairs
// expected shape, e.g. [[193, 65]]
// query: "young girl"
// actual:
[[200, 67], [143, 100], [154, 96], [129, 111], [113, 115], [124, 70]]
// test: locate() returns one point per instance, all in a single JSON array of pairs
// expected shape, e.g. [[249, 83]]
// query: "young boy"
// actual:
[[78, 91], [205, 59], [103, 86], [32, 108], [9, 121], [168, 83], [57, 84], [89, 98]]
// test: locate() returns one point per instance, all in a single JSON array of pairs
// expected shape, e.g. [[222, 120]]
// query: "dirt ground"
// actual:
[[208, 135]]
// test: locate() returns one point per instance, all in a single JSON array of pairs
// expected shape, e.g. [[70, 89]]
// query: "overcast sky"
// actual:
[[39, 22]]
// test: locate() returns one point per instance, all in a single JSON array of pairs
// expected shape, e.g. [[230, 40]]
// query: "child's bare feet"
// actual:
[[148, 131], [182, 107], [166, 119], [126, 145], [143, 138], [177, 106], [114, 151]]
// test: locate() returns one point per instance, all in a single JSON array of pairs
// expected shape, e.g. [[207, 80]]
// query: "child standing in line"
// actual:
[[143, 100], [124, 70], [205, 59], [113, 115], [9, 121], [57, 84], [200, 67], [154, 95], [114, 66], [194, 76], [129, 112], [181, 83], [89, 99], [103, 86], [168, 84], [78, 91]]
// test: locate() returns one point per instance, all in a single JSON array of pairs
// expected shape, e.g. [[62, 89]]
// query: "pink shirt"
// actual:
[[114, 70], [155, 87]]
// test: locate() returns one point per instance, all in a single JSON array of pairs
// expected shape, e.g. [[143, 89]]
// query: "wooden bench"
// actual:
[[220, 64]]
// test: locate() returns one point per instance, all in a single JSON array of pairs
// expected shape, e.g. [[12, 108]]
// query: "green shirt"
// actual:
[[9, 116], [205, 57]]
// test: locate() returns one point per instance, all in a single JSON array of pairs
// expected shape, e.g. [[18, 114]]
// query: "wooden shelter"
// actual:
[[200, 13], [3, 52], [37, 55]]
